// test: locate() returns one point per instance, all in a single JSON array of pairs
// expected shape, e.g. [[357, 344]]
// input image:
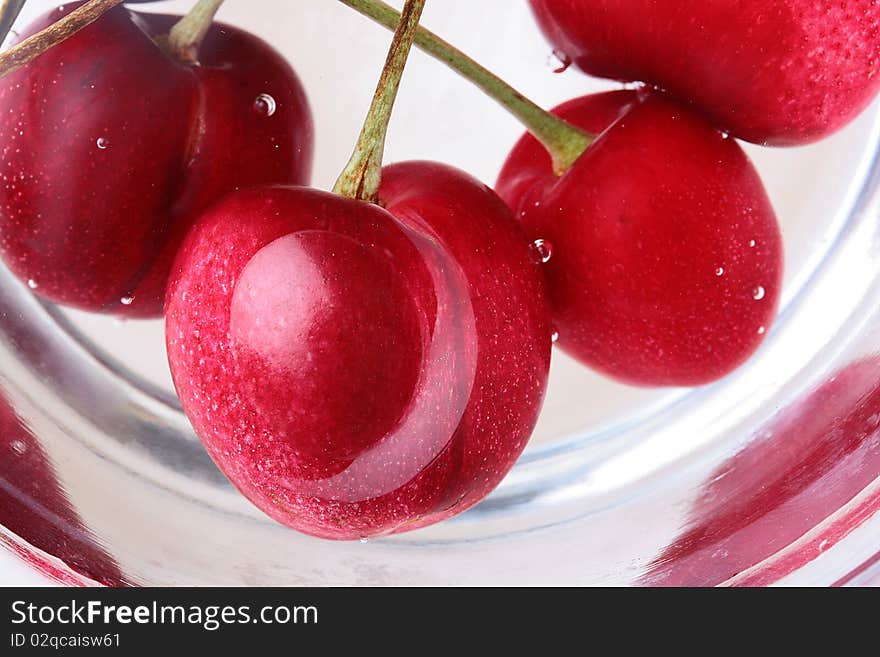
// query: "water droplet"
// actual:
[[33, 284], [753, 244], [555, 337], [762, 330], [719, 271], [759, 293], [265, 105], [18, 447], [725, 135], [365, 540], [558, 61], [543, 250], [103, 143], [126, 301], [633, 86]]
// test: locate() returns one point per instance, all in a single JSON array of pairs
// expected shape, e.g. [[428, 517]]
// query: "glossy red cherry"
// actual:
[[780, 72], [666, 254], [110, 150], [354, 370]]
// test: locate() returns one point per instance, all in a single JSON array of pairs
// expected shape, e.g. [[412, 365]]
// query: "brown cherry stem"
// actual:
[[36, 45], [361, 178]]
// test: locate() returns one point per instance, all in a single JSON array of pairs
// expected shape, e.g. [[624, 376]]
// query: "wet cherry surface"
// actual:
[[358, 371], [666, 256], [781, 72], [111, 149]]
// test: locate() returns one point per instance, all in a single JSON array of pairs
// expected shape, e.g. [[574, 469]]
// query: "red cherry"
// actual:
[[358, 371], [666, 254], [110, 149], [779, 72]]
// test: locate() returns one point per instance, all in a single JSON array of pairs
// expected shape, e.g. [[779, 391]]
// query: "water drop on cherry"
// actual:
[[543, 250], [558, 61], [265, 105]]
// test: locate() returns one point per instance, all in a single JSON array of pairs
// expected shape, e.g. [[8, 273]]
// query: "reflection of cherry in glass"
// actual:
[[813, 459], [35, 509]]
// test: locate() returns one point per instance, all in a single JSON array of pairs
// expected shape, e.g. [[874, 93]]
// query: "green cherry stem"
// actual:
[[36, 45], [361, 177], [563, 141], [9, 11], [187, 35]]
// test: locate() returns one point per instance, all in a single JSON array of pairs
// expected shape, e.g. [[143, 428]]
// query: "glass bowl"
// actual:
[[769, 476]]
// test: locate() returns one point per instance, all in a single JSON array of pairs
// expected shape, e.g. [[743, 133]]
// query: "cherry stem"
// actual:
[[59, 31], [187, 35], [9, 11], [362, 175], [565, 142]]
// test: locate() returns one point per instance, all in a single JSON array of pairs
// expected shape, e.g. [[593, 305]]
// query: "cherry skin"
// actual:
[[358, 371], [666, 255], [777, 72], [111, 149]]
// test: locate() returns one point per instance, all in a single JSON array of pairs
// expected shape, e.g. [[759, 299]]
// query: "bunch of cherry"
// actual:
[[373, 360]]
